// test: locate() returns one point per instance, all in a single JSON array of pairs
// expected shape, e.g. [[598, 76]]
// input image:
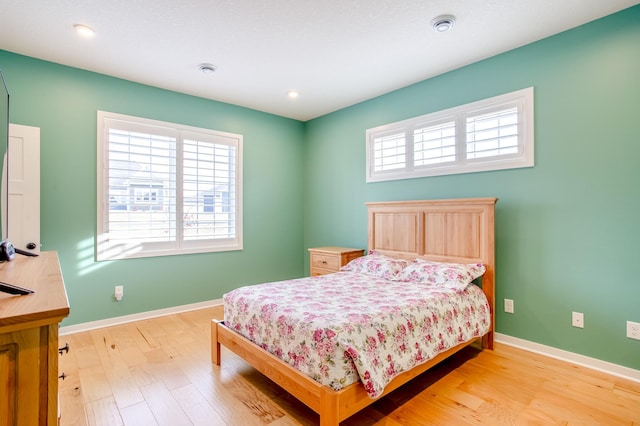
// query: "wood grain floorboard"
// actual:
[[158, 372]]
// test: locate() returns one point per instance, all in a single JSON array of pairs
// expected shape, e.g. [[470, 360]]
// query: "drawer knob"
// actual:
[[324, 262], [64, 349], [62, 376]]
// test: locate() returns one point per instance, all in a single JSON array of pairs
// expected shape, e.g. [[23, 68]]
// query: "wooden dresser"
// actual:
[[29, 340], [326, 260]]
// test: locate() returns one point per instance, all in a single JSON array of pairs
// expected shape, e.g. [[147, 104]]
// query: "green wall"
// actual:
[[567, 230], [63, 101]]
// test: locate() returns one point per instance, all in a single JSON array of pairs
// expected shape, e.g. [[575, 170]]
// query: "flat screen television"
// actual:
[[6, 248], [4, 143]]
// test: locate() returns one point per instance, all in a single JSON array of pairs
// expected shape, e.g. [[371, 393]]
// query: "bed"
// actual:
[[459, 231]]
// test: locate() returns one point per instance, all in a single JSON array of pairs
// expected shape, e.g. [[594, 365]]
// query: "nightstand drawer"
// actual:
[[325, 261]]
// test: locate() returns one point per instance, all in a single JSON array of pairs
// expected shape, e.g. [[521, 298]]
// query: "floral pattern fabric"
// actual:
[[453, 275], [344, 327], [377, 265]]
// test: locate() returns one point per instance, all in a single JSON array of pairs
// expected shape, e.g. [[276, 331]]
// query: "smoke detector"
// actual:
[[443, 23], [207, 68]]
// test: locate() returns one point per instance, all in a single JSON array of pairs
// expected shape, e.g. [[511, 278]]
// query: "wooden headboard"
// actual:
[[455, 230]]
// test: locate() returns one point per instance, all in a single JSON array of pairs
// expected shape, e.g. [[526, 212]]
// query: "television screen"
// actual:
[[4, 141]]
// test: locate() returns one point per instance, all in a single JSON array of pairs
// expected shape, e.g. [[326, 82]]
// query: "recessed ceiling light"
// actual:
[[207, 68], [84, 30], [443, 23], [292, 94]]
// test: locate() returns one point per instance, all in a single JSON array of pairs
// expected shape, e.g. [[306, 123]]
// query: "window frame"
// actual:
[[107, 250], [520, 99]]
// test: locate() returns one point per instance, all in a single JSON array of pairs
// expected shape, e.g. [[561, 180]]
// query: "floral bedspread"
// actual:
[[344, 327]]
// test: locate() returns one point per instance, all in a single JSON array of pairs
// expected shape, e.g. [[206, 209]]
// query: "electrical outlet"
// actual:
[[633, 330], [508, 306], [577, 319], [118, 292]]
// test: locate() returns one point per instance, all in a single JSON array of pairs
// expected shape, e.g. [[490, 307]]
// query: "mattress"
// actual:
[[344, 327]]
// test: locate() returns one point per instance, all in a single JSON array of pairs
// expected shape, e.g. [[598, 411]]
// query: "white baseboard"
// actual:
[[77, 328], [584, 361]]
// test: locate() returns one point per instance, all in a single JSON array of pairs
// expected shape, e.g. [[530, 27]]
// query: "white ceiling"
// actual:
[[334, 52]]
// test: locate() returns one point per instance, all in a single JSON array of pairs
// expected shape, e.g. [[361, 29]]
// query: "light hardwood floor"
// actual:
[[158, 371]]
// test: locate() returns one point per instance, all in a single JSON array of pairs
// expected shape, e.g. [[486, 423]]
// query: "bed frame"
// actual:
[[456, 230]]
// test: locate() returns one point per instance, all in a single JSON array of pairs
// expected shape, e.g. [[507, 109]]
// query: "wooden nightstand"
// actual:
[[327, 260]]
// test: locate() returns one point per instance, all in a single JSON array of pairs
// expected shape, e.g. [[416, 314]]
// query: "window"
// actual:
[[491, 134], [166, 189]]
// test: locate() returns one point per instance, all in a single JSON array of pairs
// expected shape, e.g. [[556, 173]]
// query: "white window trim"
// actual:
[[104, 250], [522, 99]]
